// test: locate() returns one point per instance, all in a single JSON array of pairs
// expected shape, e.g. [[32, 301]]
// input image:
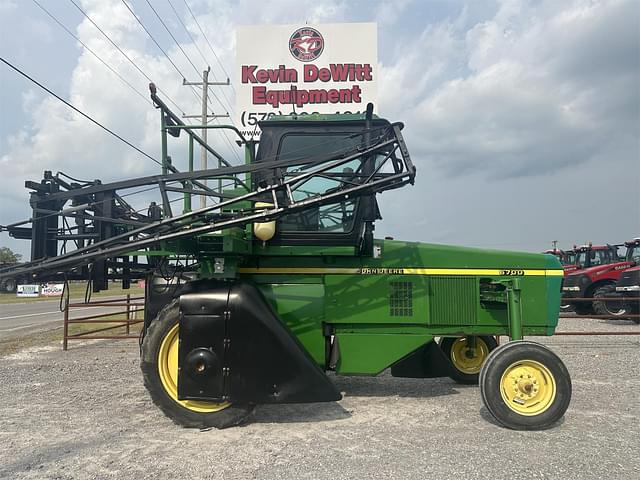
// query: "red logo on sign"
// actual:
[[306, 44]]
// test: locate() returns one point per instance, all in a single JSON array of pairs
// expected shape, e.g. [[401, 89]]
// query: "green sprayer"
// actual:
[[277, 278]]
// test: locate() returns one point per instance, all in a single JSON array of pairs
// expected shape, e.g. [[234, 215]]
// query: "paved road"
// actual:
[[17, 316]]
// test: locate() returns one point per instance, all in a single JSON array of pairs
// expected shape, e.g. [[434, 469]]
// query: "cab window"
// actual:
[[333, 218]]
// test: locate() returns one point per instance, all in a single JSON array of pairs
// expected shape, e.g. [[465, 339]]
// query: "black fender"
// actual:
[[233, 347]]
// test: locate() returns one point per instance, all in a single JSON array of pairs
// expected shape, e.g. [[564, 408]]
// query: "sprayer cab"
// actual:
[[305, 139]]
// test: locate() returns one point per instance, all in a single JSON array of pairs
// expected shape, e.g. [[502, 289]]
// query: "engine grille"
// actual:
[[400, 299], [454, 300]]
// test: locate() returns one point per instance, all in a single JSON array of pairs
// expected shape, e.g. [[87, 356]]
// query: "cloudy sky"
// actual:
[[523, 118]]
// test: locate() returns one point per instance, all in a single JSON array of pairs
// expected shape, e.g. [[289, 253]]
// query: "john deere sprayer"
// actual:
[[278, 278]]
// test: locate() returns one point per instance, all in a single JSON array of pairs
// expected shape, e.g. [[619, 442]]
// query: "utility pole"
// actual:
[[204, 118]]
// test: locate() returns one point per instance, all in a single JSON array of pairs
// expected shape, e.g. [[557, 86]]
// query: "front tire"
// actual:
[[603, 307], [160, 373], [633, 308], [525, 386], [566, 308], [467, 362]]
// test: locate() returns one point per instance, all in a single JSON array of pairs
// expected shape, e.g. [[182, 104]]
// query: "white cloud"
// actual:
[[535, 102], [7, 6], [545, 87]]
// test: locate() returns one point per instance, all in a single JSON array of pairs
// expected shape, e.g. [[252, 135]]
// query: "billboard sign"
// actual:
[[302, 69]]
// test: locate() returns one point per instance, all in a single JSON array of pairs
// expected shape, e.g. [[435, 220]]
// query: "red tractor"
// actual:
[[628, 288], [628, 285], [599, 268], [567, 258]]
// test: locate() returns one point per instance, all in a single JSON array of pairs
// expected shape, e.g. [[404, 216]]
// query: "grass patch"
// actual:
[[41, 338], [34, 339], [75, 328]]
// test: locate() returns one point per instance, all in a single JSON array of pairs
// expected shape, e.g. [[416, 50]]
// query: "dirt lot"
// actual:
[[85, 414]]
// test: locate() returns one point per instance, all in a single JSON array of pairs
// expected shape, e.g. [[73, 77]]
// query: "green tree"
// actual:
[[8, 256]]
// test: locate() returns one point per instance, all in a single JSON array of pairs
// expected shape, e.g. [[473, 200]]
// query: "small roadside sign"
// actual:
[[28, 291]]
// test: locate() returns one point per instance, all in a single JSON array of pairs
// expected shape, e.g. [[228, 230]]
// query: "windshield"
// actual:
[[633, 254], [593, 258], [570, 258], [336, 217]]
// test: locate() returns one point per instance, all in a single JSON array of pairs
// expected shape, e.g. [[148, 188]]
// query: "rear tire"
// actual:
[[566, 307], [466, 368], [10, 285], [603, 307], [525, 386], [583, 308], [160, 372], [633, 308]]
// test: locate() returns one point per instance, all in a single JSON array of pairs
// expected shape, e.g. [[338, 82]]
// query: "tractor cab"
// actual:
[[628, 285], [590, 255], [567, 258], [633, 251], [302, 140]]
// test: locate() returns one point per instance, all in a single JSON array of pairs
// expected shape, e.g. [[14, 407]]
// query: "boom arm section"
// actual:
[[102, 205]]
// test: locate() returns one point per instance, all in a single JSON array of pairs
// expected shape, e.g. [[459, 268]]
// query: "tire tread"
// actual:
[[229, 417]]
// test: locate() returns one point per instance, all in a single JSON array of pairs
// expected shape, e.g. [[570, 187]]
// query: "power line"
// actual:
[[121, 51], [180, 47], [208, 43], [153, 38], [195, 44], [193, 90], [222, 132], [171, 35], [79, 111], [144, 97], [188, 32], [158, 45]]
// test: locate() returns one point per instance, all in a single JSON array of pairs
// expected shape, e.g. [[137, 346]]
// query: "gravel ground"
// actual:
[[85, 414]]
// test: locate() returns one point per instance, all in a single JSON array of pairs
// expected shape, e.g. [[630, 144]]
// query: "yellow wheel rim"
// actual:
[[469, 360], [168, 371], [528, 388]]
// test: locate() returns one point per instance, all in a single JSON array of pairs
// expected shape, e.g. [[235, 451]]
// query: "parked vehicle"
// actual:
[[628, 286], [252, 298], [10, 284], [567, 258], [599, 268]]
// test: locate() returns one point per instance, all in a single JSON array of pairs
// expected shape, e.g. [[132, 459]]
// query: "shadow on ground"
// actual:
[[381, 386], [388, 386]]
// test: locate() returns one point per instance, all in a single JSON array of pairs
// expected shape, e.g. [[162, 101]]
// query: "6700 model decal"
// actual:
[[512, 272]]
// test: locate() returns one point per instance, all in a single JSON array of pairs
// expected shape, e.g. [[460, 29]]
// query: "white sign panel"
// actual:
[[52, 289], [28, 291], [302, 69]]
